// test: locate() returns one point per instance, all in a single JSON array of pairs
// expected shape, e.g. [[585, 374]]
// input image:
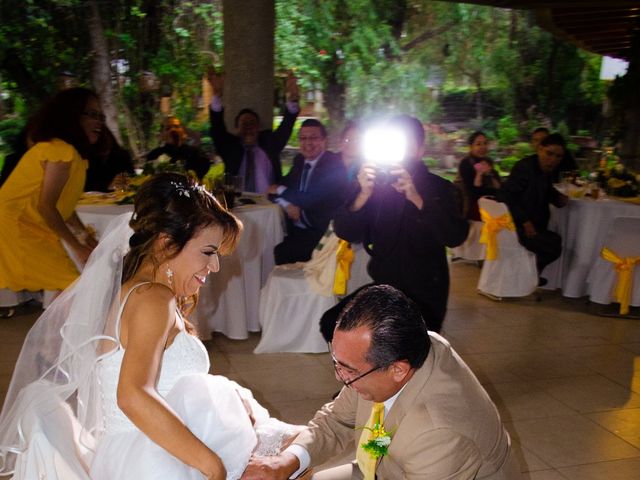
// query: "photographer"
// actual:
[[405, 216]]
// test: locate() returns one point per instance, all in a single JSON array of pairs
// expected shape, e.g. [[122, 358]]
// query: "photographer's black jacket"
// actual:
[[407, 245]]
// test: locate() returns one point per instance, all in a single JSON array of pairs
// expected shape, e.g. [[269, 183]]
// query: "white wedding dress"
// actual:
[[210, 406]]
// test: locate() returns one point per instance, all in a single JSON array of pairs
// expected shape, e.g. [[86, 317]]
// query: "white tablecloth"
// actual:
[[583, 226], [98, 216], [230, 299]]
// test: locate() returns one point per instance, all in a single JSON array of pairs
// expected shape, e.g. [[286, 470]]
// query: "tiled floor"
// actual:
[[567, 382]]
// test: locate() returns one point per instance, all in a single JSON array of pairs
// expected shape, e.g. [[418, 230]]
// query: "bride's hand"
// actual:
[[215, 469]]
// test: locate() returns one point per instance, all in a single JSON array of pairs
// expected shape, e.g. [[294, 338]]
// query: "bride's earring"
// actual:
[[169, 273]]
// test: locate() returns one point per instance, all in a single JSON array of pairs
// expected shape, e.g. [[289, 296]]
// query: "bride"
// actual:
[[111, 383]]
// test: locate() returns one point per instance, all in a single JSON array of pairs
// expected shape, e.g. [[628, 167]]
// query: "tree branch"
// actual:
[[424, 36]]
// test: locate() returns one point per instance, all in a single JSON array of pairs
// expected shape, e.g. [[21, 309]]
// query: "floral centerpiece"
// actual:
[[615, 178]]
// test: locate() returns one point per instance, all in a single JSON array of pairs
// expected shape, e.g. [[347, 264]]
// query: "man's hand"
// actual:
[[273, 189], [529, 230], [216, 81], [404, 184], [278, 467], [366, 179], [291, 87], [293, 212]]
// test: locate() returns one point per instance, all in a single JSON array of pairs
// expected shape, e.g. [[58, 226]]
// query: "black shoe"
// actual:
[[542, 281], [7, 312]]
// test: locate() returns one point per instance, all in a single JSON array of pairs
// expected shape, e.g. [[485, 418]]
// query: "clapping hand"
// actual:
[[216, 80], [483, 167]]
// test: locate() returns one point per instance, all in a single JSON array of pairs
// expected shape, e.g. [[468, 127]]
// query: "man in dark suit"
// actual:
[[434, 418], [252, 153], [310, 194]]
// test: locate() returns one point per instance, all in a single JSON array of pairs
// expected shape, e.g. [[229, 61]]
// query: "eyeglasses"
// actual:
[[347, 383], [311, 138], [95, 115]]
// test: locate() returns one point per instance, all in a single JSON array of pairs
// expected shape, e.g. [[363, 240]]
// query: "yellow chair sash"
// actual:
[[624, 268], [367, 462], [490, 228], [344, 259]]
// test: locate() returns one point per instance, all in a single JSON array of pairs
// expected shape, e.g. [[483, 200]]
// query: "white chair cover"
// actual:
[[471, 249], [291, 307], [513, 273], [624, 240]]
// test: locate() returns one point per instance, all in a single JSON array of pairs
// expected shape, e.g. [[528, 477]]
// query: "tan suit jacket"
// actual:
[[444, 426]]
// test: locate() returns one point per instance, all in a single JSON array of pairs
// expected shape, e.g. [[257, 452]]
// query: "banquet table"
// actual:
[[583, 225], [229, 301]]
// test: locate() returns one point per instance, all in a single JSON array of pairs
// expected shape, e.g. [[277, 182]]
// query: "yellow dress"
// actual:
[[31, 254]]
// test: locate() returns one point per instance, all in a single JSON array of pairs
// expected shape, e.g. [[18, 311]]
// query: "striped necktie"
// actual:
[[366, 461]]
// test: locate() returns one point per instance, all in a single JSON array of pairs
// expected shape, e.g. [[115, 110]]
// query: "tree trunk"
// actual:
[[101, 72], [249, 27], [334, 101], [479, 109]]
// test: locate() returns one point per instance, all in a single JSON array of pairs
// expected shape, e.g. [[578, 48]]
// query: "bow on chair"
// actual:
[[624, 268], [490, 228], [344, 259]]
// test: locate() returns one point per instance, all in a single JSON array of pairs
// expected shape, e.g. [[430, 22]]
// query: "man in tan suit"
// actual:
[[441, 422]]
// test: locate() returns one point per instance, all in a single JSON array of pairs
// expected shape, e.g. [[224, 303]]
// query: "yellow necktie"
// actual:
[[367, 462]]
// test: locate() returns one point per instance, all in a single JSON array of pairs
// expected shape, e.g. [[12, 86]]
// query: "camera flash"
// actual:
[[384, 146]]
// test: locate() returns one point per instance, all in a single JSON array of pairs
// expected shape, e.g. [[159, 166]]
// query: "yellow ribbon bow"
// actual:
[[490, 228], [624, 267], [344, 259], [367, 462]]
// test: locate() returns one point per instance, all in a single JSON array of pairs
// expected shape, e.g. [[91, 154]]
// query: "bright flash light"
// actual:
[[384, 146]]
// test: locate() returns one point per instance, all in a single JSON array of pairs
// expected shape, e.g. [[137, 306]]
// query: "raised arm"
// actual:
[[148, 326]]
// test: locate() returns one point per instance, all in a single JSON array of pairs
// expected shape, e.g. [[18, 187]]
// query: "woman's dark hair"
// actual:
[[350, 125], [398, 331], [554, 139], [472, 138], [60, 118], [174, 205]]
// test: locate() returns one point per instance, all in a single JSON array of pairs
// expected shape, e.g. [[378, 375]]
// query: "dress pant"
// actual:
[[297, 246], [546, 245]]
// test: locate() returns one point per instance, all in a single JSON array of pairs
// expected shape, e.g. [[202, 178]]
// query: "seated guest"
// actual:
[[252, 153], [309, 194], [406, 220], [436, 417], [478, 176], [175, 146], [350, 149], [567, 164], [528, 192], [106, 163]]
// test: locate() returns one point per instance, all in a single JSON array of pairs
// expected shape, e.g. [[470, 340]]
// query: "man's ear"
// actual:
[[400, 369]]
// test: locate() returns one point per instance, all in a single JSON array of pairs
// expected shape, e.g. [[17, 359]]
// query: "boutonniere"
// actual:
[[378, 445]]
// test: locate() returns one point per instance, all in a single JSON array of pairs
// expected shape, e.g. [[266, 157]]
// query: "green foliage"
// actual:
[[507, 131]]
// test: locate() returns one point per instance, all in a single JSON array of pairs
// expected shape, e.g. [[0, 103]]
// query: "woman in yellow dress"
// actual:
[[38, 199]]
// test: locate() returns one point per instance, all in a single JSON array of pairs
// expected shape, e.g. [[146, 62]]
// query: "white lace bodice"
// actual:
[[186, 355]]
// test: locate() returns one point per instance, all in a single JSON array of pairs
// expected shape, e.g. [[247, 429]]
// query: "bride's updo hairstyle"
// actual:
[[174, 205]]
